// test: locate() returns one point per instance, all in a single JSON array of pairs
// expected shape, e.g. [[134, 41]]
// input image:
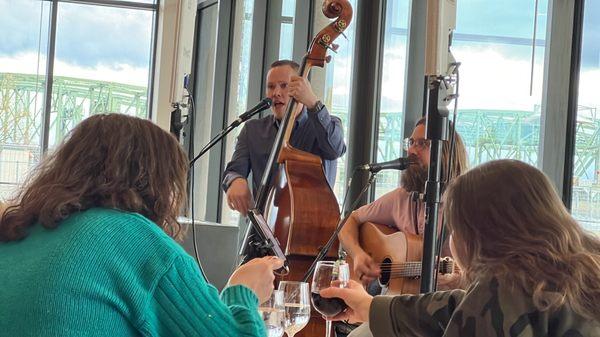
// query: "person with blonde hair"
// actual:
[[531, 269], [88, 249]]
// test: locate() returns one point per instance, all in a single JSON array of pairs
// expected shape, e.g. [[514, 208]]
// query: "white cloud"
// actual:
[[27, 63], [589, 92], [492, 80]]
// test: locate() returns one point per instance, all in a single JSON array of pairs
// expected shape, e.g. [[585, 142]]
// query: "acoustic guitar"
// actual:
[[399, 256]]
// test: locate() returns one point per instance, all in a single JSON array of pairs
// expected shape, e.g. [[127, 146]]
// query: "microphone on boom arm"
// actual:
[[401, 163], [262, 105]]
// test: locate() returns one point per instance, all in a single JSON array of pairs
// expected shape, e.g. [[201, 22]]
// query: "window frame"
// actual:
[[557, 137], [52, 51]]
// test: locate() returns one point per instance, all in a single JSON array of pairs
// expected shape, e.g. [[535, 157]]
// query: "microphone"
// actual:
[[262, 105], [396, 164]]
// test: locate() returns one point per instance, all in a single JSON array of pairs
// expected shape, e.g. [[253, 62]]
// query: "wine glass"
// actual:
[[296, 306], [329, 274], [272, 313]]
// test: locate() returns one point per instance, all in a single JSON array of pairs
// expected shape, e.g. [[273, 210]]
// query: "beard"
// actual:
[[413, 178]]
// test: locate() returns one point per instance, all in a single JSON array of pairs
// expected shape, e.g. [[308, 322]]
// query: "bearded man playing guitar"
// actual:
[[401, 208]]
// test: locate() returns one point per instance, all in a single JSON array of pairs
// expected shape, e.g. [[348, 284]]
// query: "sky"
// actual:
[[111, 44], [95, 42]]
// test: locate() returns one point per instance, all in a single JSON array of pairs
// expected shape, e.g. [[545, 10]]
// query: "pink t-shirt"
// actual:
[[396, 209]]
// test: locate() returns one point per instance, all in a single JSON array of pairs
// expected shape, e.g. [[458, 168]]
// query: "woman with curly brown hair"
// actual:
[[532, 270], [87, 247]]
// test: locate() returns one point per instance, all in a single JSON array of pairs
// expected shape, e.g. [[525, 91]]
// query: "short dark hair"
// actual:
[[281, 63]]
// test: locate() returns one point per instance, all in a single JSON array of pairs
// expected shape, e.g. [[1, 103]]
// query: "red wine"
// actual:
[[328, 307]]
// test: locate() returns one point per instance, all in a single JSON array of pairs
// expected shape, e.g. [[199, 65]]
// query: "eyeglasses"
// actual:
[[419, 143]]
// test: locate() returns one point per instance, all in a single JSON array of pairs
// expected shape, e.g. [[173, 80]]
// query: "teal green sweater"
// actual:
[[110, 273]]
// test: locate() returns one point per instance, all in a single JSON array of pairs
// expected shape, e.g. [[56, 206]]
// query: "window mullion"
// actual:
[[49, 77]]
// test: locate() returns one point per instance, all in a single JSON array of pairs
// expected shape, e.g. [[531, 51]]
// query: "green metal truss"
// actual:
[[488, 134], [21, 105]]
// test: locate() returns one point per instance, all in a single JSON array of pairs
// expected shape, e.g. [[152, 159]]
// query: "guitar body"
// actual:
[[386, 245]]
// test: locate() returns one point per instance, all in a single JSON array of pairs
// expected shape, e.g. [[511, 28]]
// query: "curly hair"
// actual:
[[108, 160], [507, 221]]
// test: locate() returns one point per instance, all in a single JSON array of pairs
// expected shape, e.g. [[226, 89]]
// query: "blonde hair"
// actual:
[[507, 221]]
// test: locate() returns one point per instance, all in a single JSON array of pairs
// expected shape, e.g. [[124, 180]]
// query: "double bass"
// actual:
[[294, 196]]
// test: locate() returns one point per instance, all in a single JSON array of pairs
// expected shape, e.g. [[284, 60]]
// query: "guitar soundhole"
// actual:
[[384, 279]]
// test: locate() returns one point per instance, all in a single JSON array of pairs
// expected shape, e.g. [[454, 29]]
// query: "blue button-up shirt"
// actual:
[[316, 132]]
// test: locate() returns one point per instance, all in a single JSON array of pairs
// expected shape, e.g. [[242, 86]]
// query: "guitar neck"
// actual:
[[413, 269]]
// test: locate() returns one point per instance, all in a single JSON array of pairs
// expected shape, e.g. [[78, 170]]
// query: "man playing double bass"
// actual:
[[315, 131]]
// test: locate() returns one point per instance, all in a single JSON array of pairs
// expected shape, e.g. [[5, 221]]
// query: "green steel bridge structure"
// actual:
[[488, 134], [21, 115], [495, 134]]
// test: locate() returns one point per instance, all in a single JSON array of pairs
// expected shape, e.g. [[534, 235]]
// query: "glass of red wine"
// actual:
[[329, 274]]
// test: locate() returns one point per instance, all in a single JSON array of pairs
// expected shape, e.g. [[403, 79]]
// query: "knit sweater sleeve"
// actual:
[[183, 304]]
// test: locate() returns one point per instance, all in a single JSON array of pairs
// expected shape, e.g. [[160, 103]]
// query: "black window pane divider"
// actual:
[[49, 77], [572, 104]]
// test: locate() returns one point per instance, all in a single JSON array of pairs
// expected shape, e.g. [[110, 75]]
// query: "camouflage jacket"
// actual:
[[487, 308]]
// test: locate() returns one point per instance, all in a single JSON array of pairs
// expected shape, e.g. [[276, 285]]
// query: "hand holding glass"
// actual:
[[329, 274]]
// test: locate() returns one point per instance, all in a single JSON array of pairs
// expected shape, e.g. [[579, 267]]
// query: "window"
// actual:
[[333, 85], [23, 45], [101, 64], [500, 77], [389, 137], [286, 34], [586, 171], [140, 1], [94, 74], [238, 94]]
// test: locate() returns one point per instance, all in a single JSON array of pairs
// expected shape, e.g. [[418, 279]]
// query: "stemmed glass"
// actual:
[[296, 306], [329, 274], [272, 312]]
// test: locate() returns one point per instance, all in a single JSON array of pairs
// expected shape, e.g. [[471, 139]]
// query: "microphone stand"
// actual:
[[205, 149], [339, 227], [218, 138], [437, 132], [263, 105]]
